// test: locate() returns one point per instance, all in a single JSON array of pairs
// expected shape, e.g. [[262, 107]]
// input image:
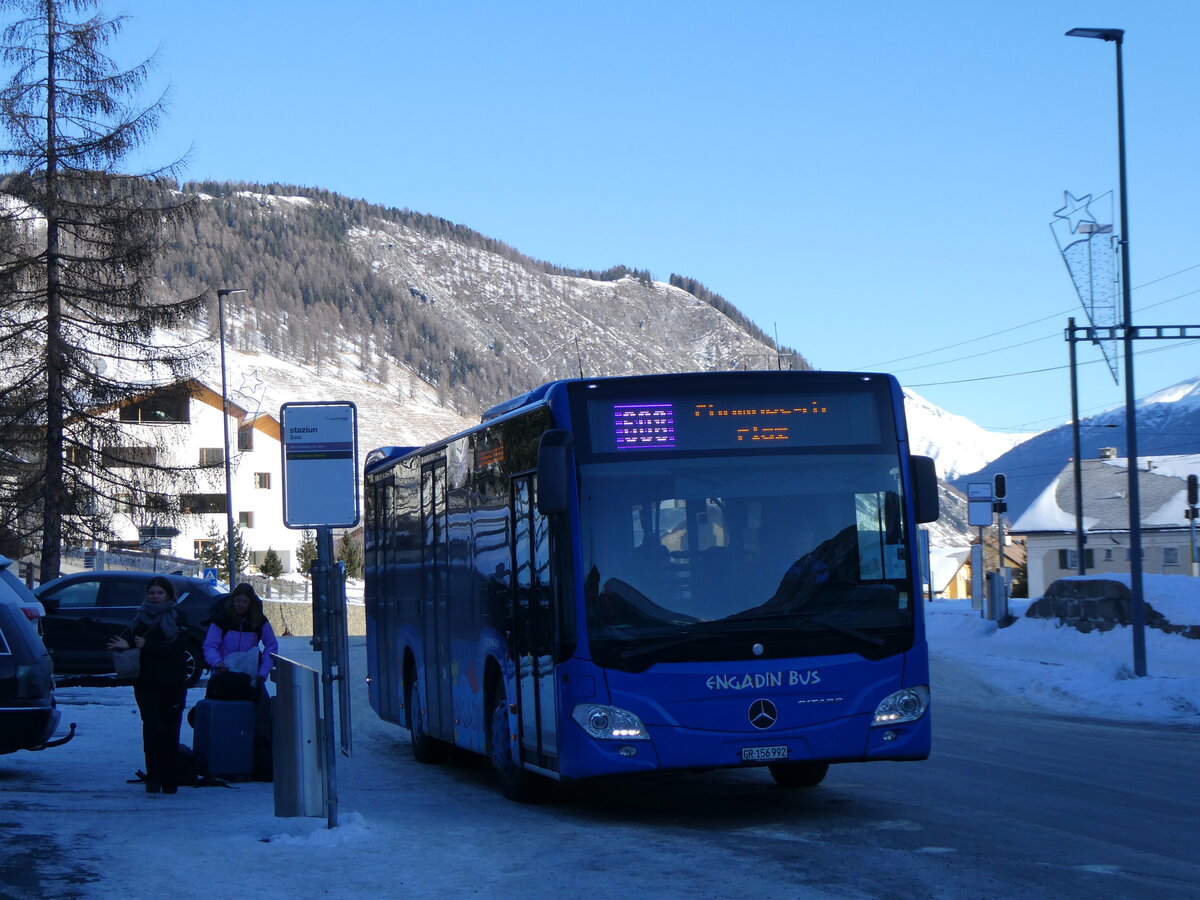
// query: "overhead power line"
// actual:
[[1088, 362], [1067, 312]]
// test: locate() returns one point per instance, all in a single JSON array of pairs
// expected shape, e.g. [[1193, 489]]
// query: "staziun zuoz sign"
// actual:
[[790, 677], [320, 473]]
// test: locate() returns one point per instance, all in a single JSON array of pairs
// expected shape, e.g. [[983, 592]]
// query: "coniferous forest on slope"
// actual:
[[309, 297]]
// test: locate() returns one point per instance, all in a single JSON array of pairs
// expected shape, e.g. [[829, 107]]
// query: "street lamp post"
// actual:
[[1137, 612], [229, 538]]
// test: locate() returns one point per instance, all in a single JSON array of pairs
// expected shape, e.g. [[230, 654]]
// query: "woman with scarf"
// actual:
[[161, 686]]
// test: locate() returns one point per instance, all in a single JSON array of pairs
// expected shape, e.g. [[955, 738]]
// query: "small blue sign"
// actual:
[[210, 575]]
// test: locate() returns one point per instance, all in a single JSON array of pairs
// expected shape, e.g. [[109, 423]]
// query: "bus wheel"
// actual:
[[425, 749], [515, 783], [798, 774]]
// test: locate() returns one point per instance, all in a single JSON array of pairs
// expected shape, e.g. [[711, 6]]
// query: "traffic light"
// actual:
[[998, 486], [1192, 490]]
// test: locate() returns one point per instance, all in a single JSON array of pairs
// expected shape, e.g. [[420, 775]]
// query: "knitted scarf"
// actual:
[[160, 615]]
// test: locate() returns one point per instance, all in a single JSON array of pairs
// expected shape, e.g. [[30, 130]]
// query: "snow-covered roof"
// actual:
[[1162, 486], [945, 563]]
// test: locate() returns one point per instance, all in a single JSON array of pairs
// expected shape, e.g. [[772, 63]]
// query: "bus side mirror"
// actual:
[[554, 475], [925, 489]]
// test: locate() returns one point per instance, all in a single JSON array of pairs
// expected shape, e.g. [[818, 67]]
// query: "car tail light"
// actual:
[[33, 682]]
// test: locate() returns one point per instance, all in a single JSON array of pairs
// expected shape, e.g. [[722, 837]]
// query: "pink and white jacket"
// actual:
[[218, 643]]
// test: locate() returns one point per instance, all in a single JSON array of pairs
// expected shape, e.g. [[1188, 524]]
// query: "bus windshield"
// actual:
[[708, 558]]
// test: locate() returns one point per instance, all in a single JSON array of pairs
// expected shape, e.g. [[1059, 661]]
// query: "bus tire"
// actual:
[[425, 749], [798, 774], [516, 784]]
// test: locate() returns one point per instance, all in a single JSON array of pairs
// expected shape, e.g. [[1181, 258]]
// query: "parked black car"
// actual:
[[85, 609], [28, 715]]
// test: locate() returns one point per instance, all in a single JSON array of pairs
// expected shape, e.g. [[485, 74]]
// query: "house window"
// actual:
[[262, 480], [212, 456], [202, 503], [1108, 555], [200, 548], [78, 456], [1170, 556], [164, 407], [123, 457], [246, 519], [1068, 560], [246, 437]]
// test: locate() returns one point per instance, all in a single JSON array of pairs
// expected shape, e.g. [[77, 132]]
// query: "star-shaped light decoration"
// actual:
[[250, 393], [1075, 211]]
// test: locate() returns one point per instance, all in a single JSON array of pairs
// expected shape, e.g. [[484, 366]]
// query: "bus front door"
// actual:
[[533, 629]]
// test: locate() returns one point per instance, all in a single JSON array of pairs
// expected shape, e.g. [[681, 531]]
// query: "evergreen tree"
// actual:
[[212, 552], [215, 554], [306, 551], [77, 253], [241, 556], [351, 554], [271, 565]]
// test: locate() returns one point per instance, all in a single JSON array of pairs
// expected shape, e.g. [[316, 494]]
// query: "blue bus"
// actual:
[[625, 575]]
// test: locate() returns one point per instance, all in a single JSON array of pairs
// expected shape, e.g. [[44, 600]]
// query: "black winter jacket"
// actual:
[[163, 662]]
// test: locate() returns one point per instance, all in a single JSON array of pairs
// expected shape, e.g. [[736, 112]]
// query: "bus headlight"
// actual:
[[609, 723], [903, 706]]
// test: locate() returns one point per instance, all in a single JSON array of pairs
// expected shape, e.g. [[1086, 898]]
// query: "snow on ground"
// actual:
[[222, 842], [1072, 673]]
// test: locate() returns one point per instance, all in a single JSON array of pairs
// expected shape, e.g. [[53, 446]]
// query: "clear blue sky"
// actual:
[[872, 182]]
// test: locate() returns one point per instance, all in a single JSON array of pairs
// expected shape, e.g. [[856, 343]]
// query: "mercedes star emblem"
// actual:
[[763, 714]]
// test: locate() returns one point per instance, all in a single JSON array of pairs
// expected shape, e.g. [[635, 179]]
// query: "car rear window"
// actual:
[[18, 637], [18, 586]]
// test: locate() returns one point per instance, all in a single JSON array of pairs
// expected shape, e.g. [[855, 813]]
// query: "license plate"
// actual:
[[761, 754]]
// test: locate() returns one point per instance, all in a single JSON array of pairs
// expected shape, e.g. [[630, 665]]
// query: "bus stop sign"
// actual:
[[979, 503], [320, 465]]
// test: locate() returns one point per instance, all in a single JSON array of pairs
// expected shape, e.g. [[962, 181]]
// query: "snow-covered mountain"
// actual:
[[956, 443]]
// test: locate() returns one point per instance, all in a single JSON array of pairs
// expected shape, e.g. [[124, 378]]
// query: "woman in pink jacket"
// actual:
[[241, 626], [238, 631]]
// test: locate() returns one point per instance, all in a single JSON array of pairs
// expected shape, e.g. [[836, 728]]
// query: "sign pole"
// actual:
[[320, 490], [1192, 525], [979, 514], [325, 642]]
